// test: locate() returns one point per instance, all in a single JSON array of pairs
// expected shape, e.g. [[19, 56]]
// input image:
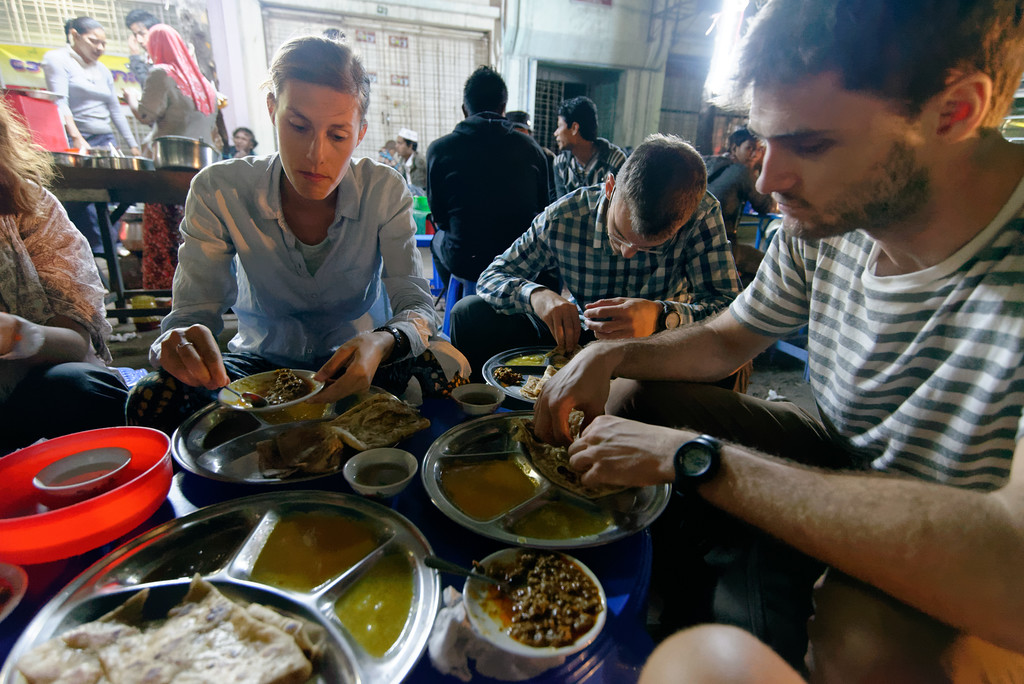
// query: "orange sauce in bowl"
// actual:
[[305, 550], [485, 490]]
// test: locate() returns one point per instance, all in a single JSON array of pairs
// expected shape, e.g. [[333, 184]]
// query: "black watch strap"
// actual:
[[402, 346], [696, 462]]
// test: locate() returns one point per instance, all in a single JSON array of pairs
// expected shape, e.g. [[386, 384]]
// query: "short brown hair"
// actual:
[[320, 60], [904, 51], [662, 182]]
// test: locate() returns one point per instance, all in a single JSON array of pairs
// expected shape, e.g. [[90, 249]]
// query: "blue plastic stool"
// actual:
[[457, 289]]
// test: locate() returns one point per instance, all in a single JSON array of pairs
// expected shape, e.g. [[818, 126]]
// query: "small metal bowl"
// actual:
[[82, 475]]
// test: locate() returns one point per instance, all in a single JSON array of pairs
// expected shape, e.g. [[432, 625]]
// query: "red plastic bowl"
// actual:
[[30, 533]]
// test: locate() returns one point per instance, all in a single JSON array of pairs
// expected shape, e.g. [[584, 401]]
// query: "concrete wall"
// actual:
[[630, 36], [240, 51]]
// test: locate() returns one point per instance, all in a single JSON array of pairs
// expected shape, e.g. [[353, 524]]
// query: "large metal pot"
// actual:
[[179, 152]]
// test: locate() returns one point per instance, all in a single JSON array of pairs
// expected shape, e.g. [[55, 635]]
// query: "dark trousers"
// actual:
[[83, 214], [480, 332], [709, 566], [57, 400]]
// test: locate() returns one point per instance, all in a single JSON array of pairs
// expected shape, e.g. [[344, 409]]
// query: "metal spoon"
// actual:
[[255, 400], [456, 569]]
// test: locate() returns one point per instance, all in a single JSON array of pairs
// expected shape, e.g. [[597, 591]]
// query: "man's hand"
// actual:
[[134, 48], [352, 367], [624, 452], [192, 355], [581, 384], [622, 317], [560, 315]]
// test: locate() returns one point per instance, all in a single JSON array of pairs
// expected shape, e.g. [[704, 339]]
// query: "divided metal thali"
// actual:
[[220, 442], [223, 543], [506, 498], [504, 359]]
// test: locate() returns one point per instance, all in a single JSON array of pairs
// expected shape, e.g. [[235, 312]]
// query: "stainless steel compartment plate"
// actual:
[[220, 442], [502, 359], [221, 543], [489, 438]]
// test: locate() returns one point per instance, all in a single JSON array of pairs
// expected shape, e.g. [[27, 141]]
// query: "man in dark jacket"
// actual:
[[485, 181]]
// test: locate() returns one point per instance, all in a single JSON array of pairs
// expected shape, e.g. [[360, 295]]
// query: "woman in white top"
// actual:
[[313, 251]]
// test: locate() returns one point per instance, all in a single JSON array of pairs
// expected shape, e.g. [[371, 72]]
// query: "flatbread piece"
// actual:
[[378, 421], [553, 461]]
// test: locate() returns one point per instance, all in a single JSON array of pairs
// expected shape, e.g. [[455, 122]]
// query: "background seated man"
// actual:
[[583, 158], [485, 181], [902, 251], [639, 254]]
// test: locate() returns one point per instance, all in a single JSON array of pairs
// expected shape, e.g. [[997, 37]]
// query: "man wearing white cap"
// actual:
[[415, 168]]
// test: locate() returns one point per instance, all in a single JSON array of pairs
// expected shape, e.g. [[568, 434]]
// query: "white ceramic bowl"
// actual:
[[78, 476], [260, 383], [382, 472], [487, 623], [478, 399]]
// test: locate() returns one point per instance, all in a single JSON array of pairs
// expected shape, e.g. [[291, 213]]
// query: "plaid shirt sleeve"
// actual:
[[508, 282], [710, 265]]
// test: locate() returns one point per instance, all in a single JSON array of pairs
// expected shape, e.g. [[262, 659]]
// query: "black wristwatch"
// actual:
[[402, 346], [670, 318], [696, 462]]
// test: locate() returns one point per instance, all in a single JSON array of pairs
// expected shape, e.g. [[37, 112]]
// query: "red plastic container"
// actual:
[[42, 118], [31, 533]]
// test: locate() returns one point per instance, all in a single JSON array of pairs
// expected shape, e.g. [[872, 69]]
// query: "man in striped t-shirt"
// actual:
[[903, 254]]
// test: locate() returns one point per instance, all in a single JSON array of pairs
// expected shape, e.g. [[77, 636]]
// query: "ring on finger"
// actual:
[[181, 345]]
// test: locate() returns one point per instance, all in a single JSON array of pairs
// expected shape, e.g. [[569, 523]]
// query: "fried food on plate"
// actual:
[[380, 420], [311, 449], [207, 638]]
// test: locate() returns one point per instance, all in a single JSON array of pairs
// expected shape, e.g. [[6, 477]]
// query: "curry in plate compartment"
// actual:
[[486, 489], [376, 607], [304, 550], [562, 520]]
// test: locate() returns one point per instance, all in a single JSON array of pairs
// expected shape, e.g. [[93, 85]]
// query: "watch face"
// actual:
[[696, 461], [672, 320]]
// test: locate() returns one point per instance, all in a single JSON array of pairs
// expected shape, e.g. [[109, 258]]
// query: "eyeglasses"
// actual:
[[615, 237]]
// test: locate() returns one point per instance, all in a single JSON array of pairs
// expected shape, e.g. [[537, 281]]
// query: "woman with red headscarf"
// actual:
[[176, 100]]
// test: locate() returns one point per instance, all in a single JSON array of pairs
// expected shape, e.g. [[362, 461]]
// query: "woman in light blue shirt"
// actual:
[[314, 251]]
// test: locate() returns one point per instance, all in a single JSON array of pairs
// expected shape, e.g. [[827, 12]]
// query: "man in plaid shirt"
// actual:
[[583, 158], [643, 253]]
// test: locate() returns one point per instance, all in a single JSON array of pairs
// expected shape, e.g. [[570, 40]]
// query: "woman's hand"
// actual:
[[8, 332], [561, 317], [352, 367], [624, 452], [622, 317], [192, 355]]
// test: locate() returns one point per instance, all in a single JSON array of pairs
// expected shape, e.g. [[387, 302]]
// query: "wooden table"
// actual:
[[123, 188]]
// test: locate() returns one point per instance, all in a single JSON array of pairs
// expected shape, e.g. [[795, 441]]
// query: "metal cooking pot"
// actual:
[[71, 159], [123, 163], [179, 152]]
